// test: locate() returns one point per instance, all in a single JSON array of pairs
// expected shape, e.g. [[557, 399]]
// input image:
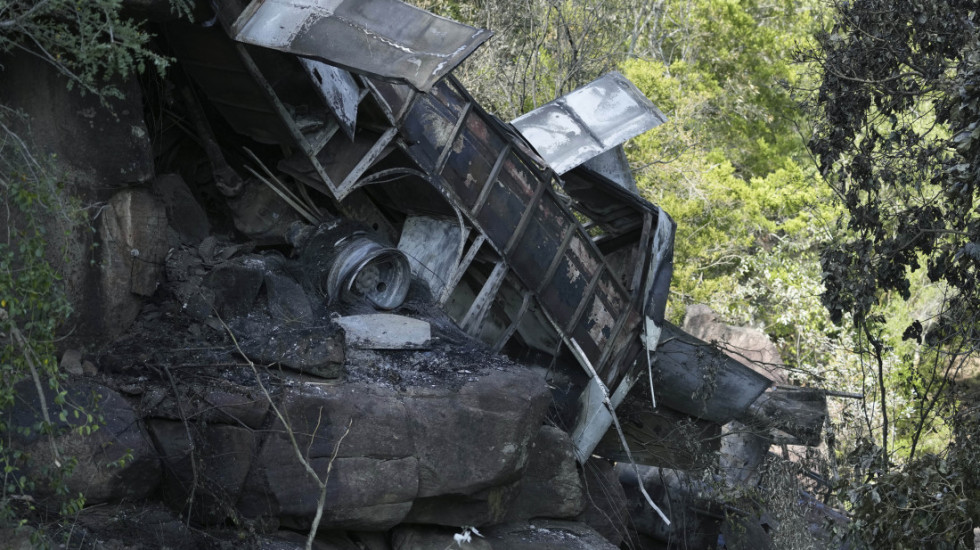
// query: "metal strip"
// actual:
[[636, 284], [473, 319], [622, 358], [556, 261], [388, 39], [366, 161], [529, 210], [464, 264], [586, 298], [284, 115], [379, 99], [525, 305], [460, 122], [323, 137], [617, 328], [488, 185]]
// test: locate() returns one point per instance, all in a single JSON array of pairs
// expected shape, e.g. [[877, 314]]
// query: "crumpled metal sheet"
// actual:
[[614, 165], [588, 121], [510, 198], [384, 38], [339, 91]]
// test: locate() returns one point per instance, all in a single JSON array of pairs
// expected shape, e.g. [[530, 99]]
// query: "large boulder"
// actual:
[[217, 402], [373, 477], [396, 453], [133, 231], [207, 489], [605, 501], [552, 484], [136, 526], [114, 457], [748, 346], [97, 147], [187, 218], [91, 151]]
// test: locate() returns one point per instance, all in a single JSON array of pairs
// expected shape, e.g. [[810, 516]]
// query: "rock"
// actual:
[[545, 534], [479, 436], [473, 445], [18, 538], [94, 152], [71, 362], [114, 462], [88, 369], [218, 402], [385, 331], [208, 489], [317, 350], [362, 493], [184, 212], [371, 540], [406, 450], [96, 148], [260, 214], [188, 269], [291, 540], [748, 346], [743, 448], [287, 301], [684, 496], [134, 246], [605, 501], [234, 286], [485, 507], [552, 485], [128, 526], [431, 537]]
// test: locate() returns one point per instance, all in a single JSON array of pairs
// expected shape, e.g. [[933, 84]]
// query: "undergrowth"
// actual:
[[33, 306]]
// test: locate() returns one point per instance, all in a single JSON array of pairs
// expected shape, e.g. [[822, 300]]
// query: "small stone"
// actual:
[[89, 369], [71, 362], [131, 389]]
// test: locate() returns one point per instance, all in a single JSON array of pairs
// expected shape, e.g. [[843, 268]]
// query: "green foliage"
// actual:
[[896, 117], [541, 49], [731, 67], [885, 109], [33, 305], [931, 502], [731, 168], [89, 42], [92, 46]]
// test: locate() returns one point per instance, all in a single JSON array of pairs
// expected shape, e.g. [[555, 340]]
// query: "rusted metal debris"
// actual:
[[385, 38], [588, 121], [350, 265], [525, 238]]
